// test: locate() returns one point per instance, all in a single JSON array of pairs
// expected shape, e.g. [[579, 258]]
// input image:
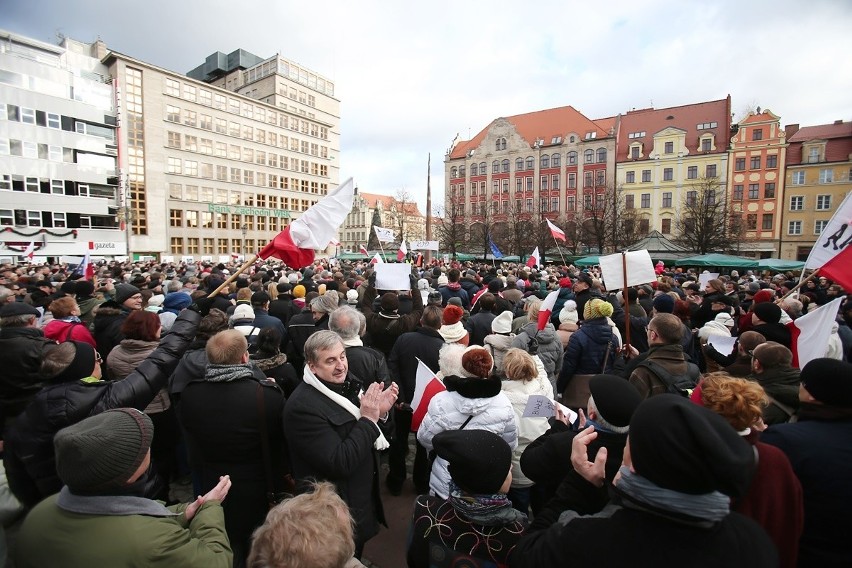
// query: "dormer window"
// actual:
[[454, 173], [707, 142], [635, 150], [591, 135]]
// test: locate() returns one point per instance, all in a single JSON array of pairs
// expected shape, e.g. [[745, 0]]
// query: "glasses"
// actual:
[[98, 358]]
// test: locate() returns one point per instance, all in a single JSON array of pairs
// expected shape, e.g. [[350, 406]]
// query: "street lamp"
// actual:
[[244, 229]]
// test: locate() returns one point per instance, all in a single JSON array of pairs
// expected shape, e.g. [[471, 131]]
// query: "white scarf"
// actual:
[[381, 442]]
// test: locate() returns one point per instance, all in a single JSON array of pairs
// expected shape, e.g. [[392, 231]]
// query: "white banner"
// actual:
[[384, 235], [424, 245], [834, 237], [392, 276], [640, 269]]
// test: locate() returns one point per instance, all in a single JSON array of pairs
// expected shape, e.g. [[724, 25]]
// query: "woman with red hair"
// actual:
[[66, 324]]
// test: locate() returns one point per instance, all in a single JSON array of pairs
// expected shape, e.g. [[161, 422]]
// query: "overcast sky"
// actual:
[[411, 75]]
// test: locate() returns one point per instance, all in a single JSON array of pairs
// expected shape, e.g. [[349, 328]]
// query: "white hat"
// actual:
[[243, 311], [568, 313], [443, 280], [724, 319], [352, 297], [502, 323], [156, 300]]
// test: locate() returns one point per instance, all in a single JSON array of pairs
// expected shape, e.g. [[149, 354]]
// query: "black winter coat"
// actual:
[[423, 343], [479, 326], [21, 353], [29, 456], [367, 364], [107, 329], [586, 350], [384, 329]]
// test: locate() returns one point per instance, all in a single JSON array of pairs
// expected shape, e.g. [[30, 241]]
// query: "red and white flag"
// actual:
[[402, 252], [810, 333], [334, 242], [839, 268], [87, 269], [363, 250], [29, 252], [555, 231], [377, 259], [315, 229], [834, 237], [427, 385], [533, 259], [546, 309]]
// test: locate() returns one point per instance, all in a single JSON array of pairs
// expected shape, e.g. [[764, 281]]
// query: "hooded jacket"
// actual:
[[480, 399], [782, 384], [586, 351], [529, 429], [549, 346]]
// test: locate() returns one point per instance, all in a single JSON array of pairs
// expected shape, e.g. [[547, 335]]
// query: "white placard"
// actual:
[[384, 235], [392, 276], [706, 277], [539, 406], [187, 259], [423, 245], [722, 344], [167, 259], [446, 258], [640, 269]]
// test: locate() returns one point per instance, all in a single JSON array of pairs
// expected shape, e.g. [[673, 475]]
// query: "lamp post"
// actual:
[[244, 230]]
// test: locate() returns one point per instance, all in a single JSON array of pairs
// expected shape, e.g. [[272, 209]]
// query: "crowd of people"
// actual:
[[278, 393]]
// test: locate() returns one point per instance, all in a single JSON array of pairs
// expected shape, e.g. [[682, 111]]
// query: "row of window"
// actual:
[[180, 218], [710, 171], [55, 219], [546, 183], [32, 184], [208, 245], [795, 227], [754, 191], [754, 163], [54, 120], [205, 170], [797, 202], [244, 108], [221, 196], [522, 164], [207, 122], [826, 175]]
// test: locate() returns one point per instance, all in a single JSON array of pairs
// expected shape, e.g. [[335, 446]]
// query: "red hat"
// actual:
[[452, 314], [765, 295], [564, 282]]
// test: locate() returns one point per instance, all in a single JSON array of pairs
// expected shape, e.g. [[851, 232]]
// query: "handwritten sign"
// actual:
[[539, 406], [424, 245]]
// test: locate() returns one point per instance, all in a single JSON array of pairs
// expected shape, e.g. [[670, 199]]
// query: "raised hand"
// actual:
[[593, 472], [218, 493]]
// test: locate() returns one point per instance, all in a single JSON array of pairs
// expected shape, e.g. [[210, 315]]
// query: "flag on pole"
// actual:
[[29, 251], [834, 237], [810, 333], [315, 229], [533, 259], [85, 269], [546, 309], [402, 252], [363, 250], [426, 386], [494, 250], [377, 259], [384, 235], [334, 242], [555, 231], [839, 268]]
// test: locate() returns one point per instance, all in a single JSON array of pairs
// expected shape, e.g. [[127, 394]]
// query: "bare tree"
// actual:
[[402, 212], [482, 222], [450, 225], [704, 220], [517, 228]]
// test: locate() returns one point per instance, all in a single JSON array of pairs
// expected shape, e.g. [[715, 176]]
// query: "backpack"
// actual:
[[675, 384]]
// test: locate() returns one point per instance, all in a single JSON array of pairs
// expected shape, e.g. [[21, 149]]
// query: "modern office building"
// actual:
[[58, 177]]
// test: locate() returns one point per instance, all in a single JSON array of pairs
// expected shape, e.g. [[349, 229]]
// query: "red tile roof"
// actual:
[[838, 145], [822, 132], [539, 125], [686, 117], [764, 117], [372, 200]]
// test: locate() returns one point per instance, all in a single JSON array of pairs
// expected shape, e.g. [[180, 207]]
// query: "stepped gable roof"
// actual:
[[686, 117], [539, 125]]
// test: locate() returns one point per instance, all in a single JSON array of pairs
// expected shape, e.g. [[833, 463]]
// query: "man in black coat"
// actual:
[[386, 325], [424, 343], [366, 363], [479, 324], [334, 435], [280, 306]]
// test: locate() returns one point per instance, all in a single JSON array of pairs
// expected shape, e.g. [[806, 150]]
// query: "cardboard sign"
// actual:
[[392, 276], [706, 277], [640, 269], [539, 406]]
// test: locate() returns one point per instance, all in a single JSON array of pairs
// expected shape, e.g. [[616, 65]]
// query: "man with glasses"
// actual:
[[665, 360]]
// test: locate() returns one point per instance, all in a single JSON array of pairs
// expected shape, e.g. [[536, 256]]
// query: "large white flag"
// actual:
[[384, 235], [29, 252], [834, 237], [810, 333]]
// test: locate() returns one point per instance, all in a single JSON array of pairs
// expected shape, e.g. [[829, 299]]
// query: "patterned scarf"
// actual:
[[489, 510], [70, 319], [227, 373]]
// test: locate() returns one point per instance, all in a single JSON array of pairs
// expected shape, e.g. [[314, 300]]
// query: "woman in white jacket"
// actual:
[[473, 401], [524, 379]]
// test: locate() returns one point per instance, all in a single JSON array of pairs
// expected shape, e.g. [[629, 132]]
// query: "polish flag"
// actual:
[[555, 231], [835, 237], [377, 259], [546, 309], [839, 268], [85, 268], [29, 252], [810, 333], [334, 243], [315, 229], [533, 259], [427, 385], [402, 252], [363, 250]]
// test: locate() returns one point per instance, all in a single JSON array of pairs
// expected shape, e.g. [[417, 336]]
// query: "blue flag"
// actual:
[[494, 250]]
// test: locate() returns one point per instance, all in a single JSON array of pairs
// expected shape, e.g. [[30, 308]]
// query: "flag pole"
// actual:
[[233, 276], [559, 249], [800, 284], [626, 300]]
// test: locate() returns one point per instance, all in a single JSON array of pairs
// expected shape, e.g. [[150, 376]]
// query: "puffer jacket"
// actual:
[[61, 331], [497, 344], [29, 457], [126, 357], [564, 295], [586, 350], [549, 346], [480, 399], [529, 429], [106, 327]]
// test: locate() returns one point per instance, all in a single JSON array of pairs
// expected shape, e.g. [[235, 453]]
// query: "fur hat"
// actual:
[[125, 291], [98, 455], [829, 381], [568, 313], [597, 308], [502, 323], [478, 461], [477, 362], [724, 319]]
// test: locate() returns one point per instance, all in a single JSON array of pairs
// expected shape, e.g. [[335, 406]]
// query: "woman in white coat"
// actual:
[[473, 400]]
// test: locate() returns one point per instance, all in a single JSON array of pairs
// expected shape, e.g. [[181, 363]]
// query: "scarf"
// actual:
[[381, 442], [354, 342], [227, 373], [488, 510], [70, 319], [270, 362], [704, 510]]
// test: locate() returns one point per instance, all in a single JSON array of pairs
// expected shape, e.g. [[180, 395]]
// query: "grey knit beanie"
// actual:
[[99, 454]]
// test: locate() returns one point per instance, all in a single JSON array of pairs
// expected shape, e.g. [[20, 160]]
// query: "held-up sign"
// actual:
[[640, 269], [539, 406], [423, 245], [392, 276], [706, 277]]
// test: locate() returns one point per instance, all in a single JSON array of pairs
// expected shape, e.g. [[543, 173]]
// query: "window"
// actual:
[[6, 182], [482, 169], [175, 166], [495, 167], [33, 218], [571, 158], [519, 165], [794, 228], [28, 115], [7, 218], [826, 175], [172, 113], [57, 186], [813, 155], [555, 160], [53, 120], [572, 181], [589, 156], [529, 183], [5, 147], [205, 97], [646, 200], [692, 172], [545, 161], [543, 183], [630, 177], [751, 222], [739, 164], [823, 202], [766, 222], [769, 191], [31, 184], [500, 144], [205, 122], [587, 179], [667, 199], [570, 203], [819, 226], [634, 152], [691, 198], [54, 153], [554, 204], [646, 176], [754, 163], [757, 134], [530, 163], [799, 178], [738, 192], [172, 87], [554, 181], [772, 161], [710, 171], [601, 155], [706, 144], [668, 174], [753, 190], [644, 226], [797, 203], [83, 190], [29, 149], [666, 227], [504, 166], [189, 92], [629, 201], [669, 148]]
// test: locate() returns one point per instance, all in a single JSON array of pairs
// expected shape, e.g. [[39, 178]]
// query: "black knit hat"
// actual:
[[101, 453], [829, 381], [479, 461], [768, 312], [615, 398], [679, 445], [125, 291], [81, 366]]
